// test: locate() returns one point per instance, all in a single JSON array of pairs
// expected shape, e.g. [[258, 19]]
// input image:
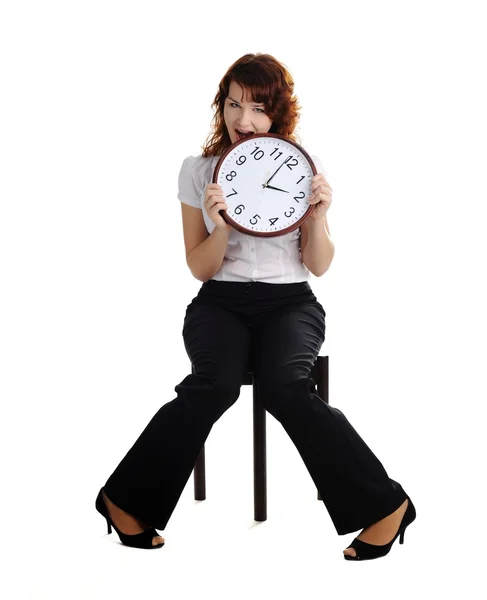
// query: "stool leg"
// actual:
[[260, 467], [322, 377], [322, 385], [199, 471], [199, 476]]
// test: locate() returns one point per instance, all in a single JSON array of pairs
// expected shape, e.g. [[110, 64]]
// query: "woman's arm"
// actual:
[[204, 251], [317, 247]]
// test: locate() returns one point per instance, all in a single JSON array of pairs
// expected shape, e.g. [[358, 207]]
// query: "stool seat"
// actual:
[[319, 374]]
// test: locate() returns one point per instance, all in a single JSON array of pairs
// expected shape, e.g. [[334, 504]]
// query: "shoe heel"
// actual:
[[138, 540], [401, 537], [102, 509]]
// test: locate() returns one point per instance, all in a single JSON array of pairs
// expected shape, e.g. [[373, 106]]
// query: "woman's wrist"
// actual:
[[221, 231]]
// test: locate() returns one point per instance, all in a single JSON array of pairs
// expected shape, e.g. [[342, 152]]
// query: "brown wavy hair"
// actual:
[[269, 82]]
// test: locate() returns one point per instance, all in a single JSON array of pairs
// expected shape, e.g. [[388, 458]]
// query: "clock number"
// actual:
[[254, 217], [292, 165], [276, 150], [288, 215], [273, 220], [241, 207], [234, 192], [296, 197], [259, 153], [244, 158], [233, 174], [300, 180]]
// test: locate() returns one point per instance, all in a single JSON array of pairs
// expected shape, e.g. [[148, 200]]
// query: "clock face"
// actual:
[[266, 181]]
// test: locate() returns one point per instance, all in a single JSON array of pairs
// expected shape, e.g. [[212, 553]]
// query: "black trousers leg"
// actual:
[[151, 477], [353, 483]]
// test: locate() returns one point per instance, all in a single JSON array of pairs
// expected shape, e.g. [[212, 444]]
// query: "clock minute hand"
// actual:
[[285, 161]]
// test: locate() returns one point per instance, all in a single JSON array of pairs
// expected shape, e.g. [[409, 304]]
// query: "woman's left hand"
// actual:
[[320, 195]]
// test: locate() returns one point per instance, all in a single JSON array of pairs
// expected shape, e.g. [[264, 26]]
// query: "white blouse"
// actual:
[[247, 257]]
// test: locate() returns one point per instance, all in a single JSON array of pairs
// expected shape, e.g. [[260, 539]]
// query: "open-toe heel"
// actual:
[[139, 540], [366, 551]]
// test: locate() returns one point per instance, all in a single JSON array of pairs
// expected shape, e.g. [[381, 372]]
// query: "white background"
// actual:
[[100, 103]]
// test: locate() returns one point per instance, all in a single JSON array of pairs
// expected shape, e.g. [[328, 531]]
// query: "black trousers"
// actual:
[[280, 328]]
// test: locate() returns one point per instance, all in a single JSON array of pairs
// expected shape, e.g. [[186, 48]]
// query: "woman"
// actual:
[[255, 304]]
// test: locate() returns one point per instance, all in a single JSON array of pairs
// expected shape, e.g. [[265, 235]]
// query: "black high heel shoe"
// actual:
[[139, 540], [366, 551]]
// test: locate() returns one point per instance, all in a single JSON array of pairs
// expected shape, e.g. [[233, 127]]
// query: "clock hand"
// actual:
[[285, 161], [270, 187], [263, 192]]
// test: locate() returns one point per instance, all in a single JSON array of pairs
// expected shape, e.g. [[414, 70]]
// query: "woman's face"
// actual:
[[243, 114]]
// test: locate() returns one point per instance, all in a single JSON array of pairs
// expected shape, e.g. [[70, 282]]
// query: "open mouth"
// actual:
[[243, 134]]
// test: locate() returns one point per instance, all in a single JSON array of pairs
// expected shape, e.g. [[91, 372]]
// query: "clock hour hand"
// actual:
[[269, 180], [270, 187]]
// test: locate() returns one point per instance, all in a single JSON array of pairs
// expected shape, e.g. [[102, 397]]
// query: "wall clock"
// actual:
[[266, 182]]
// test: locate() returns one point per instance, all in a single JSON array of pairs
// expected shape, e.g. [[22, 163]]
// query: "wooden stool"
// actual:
[[319, 374]]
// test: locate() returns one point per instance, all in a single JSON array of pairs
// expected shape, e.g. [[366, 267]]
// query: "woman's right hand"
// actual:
[[213, 203]]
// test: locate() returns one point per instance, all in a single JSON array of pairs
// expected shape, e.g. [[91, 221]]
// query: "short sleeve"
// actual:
[[319, 165], [187, 190]]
